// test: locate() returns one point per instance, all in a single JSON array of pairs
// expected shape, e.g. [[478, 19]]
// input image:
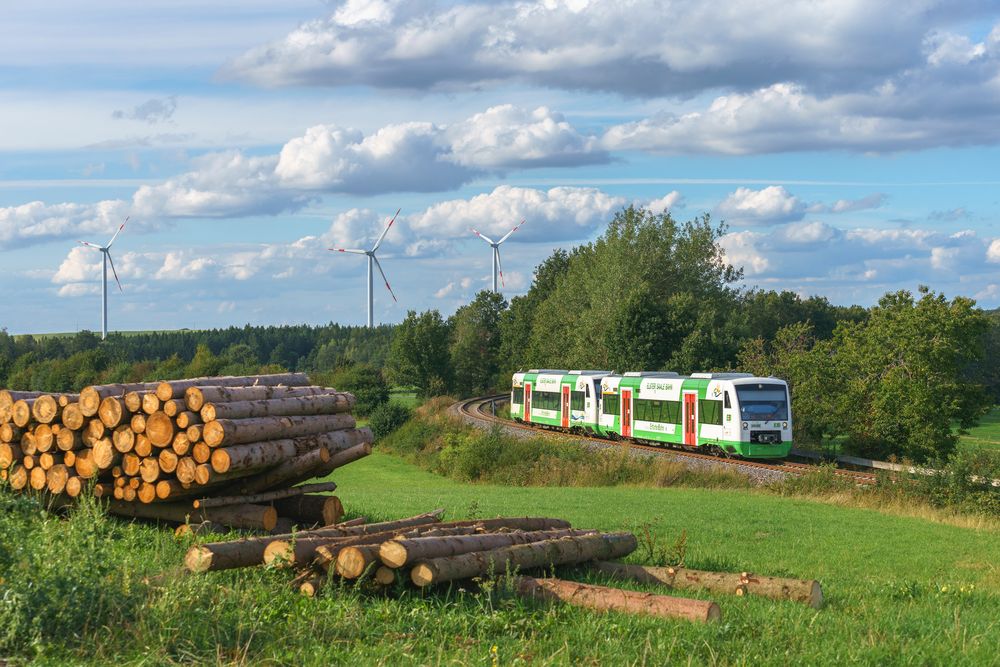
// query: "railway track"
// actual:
[[476, 408]]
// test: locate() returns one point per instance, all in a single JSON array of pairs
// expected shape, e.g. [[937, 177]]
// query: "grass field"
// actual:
[[898, 590], [986, 434]]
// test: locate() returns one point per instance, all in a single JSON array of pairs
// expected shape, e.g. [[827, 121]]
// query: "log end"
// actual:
[[279, 553], [198, 559], [385, 576], [393, 554], [422, 574]]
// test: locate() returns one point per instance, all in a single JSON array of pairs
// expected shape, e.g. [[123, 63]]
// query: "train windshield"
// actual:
[[762, 402]]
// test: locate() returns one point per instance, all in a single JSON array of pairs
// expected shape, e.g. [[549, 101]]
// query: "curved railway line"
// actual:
[[476, 409]]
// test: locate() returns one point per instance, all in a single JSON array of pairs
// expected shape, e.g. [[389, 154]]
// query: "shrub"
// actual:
[[386, 418]]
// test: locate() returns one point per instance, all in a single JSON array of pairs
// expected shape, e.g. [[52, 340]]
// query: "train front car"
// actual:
[[764, 411]]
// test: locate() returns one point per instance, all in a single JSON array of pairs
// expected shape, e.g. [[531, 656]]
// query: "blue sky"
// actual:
[[850, 146]]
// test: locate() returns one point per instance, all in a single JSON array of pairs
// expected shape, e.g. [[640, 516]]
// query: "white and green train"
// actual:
[[733, 414]]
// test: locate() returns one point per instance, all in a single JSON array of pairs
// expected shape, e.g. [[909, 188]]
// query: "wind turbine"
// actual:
[[373, 259], [106, 251], [496, 252]]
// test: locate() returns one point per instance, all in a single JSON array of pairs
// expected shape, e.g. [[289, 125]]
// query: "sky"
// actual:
[[850, 146]]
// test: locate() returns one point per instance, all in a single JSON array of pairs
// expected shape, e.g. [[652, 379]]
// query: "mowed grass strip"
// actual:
[[898, 590], [985, 434]]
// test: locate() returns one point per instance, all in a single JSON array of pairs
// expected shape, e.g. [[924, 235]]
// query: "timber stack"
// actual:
[[231, 451], [424, 551]]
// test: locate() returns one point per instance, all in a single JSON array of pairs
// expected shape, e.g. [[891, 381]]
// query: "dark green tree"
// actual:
[[475, 343], [419, 354]]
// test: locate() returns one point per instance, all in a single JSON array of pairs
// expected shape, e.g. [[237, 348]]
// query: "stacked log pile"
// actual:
[[423, 551], [227, 450]]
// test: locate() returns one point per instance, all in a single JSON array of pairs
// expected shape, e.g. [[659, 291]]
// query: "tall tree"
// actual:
[[475, 343], [419, 354]]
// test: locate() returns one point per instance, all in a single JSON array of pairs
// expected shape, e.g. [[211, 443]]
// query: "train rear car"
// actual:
[[557, 398]]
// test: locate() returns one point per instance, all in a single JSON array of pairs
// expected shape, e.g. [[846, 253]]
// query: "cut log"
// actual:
[[219, 501], [180, 444], [49, 459], [37, 479], [44, 440], [104, 490], [397, 553], [201, 452], [384, 576], [602, 598], [147, 492], [176, 388], [283, 475], [186, 470], [20, 412], [8, 398], [124, 439], [129, 494], [256, 455], [9, 454], [46, 409], [68, 440], [96, 429], [133, 401], [248, 517], [138, 423], [561, 551], [352, 562], [323, 404], [807, 591], [194, 432], [197, 397], [28, 443], [160, 429], [241, 431], [172, 407], [10, 433], [131, 464], [311, 509], [56, 478], [69, 458], [74, 485], [250, 551], [150, 403], [91, 397], [171, 489], [29, 461], [105, 456], [112, 412], [312, 585], [187, 419], [168, 460], [143, 447], [72, 418], [149, 469], [200, 528], [204, 475], [17, 477], [84, 464]]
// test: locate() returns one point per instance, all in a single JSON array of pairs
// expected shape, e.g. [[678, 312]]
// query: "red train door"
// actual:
[[565, 406], [626, 413], [690, 420], [527, 401]]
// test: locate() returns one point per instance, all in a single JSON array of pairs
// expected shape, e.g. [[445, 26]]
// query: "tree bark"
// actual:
[[398, 553], [240, 431], [602, 598], [219, 501], [807, 591], [175, 389], [561, 551], [196, 397], [160, 429], [311, 509], [249, 517], [321, 404]]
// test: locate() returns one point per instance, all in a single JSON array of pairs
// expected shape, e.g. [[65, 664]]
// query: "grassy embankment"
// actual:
[[898, 590]]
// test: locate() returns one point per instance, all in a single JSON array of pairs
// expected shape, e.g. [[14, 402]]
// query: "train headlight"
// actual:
[[745, 426], [784, 424]]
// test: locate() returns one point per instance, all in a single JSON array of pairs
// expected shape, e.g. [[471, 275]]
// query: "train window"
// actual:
[[546, 400], [710, 412], [586, 388], [665, 412], [610, 404], [725, 399], [576, 400]]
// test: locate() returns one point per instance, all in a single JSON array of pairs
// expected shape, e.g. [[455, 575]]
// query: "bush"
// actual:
[[365, 382], [964, 482], [386, 418]]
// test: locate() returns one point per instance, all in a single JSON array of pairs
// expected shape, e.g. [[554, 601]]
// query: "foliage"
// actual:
[[475, 344], [366, 383], [892, 384], [386, 418], [419, 354]]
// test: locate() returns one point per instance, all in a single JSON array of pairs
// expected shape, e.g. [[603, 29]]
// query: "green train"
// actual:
[[727, 414]]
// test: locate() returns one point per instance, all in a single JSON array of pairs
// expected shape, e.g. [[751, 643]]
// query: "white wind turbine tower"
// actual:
[[373, 259], [106, 251], [496, 252]]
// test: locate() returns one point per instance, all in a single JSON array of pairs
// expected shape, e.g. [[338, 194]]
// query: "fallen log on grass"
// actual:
[[807, 591], [400, 552], [602, 598]]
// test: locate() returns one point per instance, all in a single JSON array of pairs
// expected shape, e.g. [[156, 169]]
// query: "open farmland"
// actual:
[[934, 598]]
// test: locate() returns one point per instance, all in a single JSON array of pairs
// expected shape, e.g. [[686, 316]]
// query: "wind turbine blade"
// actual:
[[499, 265], [353, 251], [89, 244], [386, 280], [507, 235], [120, 228], [386, 230], [115, 272], [485, 238]]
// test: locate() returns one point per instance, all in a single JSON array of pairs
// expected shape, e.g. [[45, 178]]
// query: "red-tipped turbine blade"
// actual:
[[115, 273]]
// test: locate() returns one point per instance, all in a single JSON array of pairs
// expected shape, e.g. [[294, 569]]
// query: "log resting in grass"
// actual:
[[249, 517], [312, 585], [241, 431], [268, 496], [561, 551], [602, 598], [322, 404], [354, 561], [197, 397], [250, 551], [176, 388], [311, 509], [397, 553], [807, 591]]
